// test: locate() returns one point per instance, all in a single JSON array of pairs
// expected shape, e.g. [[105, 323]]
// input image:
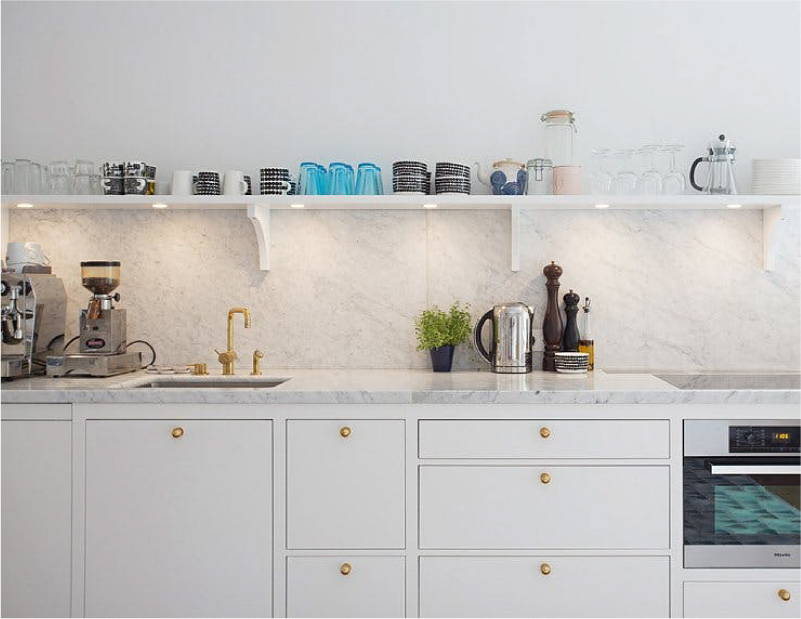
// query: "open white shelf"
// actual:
[[258, 208]]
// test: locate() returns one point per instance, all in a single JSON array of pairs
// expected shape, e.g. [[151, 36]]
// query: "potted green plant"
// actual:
[[440, 332]]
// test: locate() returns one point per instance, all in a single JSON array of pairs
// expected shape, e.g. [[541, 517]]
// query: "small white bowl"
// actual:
[[572, 362]]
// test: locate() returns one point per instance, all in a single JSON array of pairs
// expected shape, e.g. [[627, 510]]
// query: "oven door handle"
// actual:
[[757, 469]]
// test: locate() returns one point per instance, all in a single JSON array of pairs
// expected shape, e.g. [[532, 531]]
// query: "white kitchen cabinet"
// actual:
[[37, 517], [544, 438], [544, 586], [346, 484], [742, 599], [178, 518], [584, 507], [346, 586]]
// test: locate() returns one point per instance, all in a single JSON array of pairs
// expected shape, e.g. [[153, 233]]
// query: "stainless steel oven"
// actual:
[[741, 493]]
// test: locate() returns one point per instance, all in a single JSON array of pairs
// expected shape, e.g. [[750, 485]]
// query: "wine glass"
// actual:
[[625, 180], [601, 180], [650, 181], [674, 181]]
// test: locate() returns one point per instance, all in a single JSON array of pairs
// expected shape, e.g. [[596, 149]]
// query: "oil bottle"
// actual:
[[586, 343]]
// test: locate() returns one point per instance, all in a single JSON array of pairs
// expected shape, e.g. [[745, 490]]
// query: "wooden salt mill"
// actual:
[[552, 323], [570, 340]]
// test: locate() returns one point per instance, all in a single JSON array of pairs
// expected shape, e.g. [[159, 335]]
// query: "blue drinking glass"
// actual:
[[309, 179], [368, 180], [340, 180], [323, 176]]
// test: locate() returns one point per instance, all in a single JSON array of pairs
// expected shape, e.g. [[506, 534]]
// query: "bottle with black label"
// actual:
[[586, 343]]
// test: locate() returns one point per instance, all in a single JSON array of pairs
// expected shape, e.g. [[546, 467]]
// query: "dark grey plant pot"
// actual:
[[442, 358]]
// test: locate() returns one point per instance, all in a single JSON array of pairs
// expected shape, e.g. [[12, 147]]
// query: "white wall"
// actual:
[[230, 84]]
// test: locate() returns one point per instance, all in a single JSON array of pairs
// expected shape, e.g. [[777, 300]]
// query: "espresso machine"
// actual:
[[34, 318], [103, 337]]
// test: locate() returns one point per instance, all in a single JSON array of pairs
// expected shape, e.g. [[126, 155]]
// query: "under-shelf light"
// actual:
[[24, 205], [601, 206], [734, 206], [296, 205], [429, 206], [160, 205]]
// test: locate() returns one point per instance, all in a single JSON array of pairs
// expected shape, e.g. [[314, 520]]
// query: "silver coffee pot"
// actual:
[[512, 338], [720, 177]]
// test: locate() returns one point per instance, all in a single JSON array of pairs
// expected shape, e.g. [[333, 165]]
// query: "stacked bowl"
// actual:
[[411, 177], [572, 362], [776, 176], [452, 178]]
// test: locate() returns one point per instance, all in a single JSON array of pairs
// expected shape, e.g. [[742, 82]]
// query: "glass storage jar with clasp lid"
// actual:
[[560, 125]]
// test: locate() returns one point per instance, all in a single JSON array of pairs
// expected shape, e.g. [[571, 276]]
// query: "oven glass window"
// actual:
[[732, 509]]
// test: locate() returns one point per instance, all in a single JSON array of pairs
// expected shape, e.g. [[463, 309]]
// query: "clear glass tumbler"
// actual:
[[36, 178], [8, 177], [22, 176], [60, 178], [601, 180]]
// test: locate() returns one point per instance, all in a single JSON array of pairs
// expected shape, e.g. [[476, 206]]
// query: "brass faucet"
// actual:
[[228, 357], [257, 356]]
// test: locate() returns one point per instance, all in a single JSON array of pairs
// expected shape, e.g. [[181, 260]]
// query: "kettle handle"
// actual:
[[695, 185], [477, 337]]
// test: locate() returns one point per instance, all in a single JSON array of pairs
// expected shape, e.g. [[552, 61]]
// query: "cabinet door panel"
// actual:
[[516, 587], [741, 599], [345, 491], [37, 517], [178, 526], [511, 507], [372, 586]]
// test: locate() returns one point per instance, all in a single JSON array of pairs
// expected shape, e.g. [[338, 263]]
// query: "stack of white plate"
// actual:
[[776, 176]]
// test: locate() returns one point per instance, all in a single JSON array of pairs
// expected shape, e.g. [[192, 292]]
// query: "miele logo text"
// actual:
[[782, 554]]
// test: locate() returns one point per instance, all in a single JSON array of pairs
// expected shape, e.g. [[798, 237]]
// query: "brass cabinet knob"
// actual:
[[545, 478], [177, 432], [545, 569], [345, 569], [784, 594], [344, 432], [545, 432]]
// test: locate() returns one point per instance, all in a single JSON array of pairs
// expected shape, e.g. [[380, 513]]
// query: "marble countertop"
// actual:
[[392, 387]]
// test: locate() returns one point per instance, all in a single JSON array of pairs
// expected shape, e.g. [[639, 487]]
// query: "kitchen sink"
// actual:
[[210, 383]]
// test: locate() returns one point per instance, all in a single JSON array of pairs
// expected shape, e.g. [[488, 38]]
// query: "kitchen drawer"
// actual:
[[518, 586], [741, 599], [544, 438], [346, 586], [346, 484], [544, 507]]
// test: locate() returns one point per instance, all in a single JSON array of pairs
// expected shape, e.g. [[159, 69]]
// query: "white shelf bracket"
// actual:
[[260, 218], [771, 216], [515, 244]]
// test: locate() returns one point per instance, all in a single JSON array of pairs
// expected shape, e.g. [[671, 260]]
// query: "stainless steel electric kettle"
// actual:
[[512, 338]]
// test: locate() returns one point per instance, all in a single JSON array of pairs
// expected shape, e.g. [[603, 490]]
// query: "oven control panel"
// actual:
[[764, 439]]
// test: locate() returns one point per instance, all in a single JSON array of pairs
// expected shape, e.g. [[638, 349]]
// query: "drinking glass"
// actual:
[[47, 184], [309, 179], [601, 180], [60, 178], [674, 181], [36, 178], [340, 179], [82, 185], [322, 173], [22, 176], [97, 186], [625, 179], [650, 181], [8, 177], [368, 180]]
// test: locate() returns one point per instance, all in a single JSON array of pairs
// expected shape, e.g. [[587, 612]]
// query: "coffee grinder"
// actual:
[[103, 332]]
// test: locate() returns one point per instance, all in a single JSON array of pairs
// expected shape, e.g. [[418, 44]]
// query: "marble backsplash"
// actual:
[[670, 290]]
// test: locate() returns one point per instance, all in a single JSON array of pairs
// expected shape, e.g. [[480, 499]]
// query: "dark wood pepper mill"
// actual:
[[552, 323], [570, 340]]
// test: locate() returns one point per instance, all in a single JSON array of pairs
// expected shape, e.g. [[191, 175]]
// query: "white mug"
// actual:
[[234, 184], [182, 181], [19, 255], [567, 180]]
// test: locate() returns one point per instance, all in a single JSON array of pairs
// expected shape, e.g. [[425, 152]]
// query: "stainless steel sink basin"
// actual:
[[210, 383]]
